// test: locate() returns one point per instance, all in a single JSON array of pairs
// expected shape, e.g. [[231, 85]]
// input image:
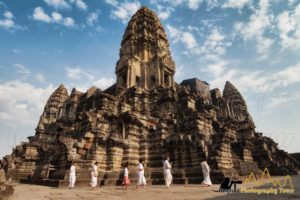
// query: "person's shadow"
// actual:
[[227, 184]]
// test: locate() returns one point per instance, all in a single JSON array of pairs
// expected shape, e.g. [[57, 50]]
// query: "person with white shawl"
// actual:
[[141, 175], [167, 172], [72, 175], [94, 175], [206, 171]]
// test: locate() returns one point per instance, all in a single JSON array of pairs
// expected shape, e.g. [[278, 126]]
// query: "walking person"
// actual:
[[206, 171], [167, 172], [72, 175], [141, 175], [94, 175], [126, 181]]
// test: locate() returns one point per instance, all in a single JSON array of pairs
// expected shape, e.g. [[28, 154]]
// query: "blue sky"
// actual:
[[255, 44]]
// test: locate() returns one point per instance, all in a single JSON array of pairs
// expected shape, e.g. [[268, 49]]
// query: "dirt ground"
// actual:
[[6, 191], [182, 192]]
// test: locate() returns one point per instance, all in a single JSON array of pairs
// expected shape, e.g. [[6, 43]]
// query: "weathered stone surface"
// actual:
[[146, 115], [145, 59], [199, 87], [296, 156], [2, 176]]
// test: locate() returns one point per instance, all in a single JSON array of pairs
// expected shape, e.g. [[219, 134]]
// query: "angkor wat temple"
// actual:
[[146, 114]]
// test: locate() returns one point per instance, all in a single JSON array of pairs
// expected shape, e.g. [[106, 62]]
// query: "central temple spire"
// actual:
[[145, 59]]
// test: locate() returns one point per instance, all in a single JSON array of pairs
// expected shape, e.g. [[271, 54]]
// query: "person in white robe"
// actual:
[[72, 175], [206, 171], [94, 175], [167, 172], [141, 175]]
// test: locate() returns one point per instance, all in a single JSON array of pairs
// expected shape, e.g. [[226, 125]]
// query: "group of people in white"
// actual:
[[141, 181]]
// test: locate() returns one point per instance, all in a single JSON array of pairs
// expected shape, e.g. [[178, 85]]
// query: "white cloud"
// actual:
[[104, 83], [124, 10], [173, 32], [112, 2], [7, 22], [194, 4], [283, 99], [85, 79], [69, 22], [78, 73], [260, 22], [214, 46], [189, 40], [92, 18], [22, 69], [40, 78], [288, 76], [291, 2], [80, 4], [56, 17], [185, 37], [15, 51], [179, 72], [256, 81], [237, 4], [288, 24], [22, 102], [58, 4], [73, 73], [39, 15], [215, 43], [212, 4], [8, 15], [217, 68], [164, 12]]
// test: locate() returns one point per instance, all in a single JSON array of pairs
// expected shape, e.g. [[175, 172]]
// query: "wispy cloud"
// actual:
[[92, 18], [164, 12], [288, 24], [104, 82], [123, 10], [80, 75], [22, 102], [22, 69], [56, 17], [40, 15], [69, 22], [260, 22], [185, 37], [236, 4], [7, 22], [58, 4], [80, 4], [40, 78], [258, 81]]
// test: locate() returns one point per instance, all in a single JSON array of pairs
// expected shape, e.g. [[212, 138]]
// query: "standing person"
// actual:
[[94, 175], [206, 171], [72, 175], [167, 172], [141, 175], [126, 180]]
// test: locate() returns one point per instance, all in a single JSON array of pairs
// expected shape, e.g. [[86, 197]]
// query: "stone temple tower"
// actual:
[[145, 59]]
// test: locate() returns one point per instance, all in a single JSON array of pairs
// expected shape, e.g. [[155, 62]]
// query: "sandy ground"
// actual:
[[182, 192]]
